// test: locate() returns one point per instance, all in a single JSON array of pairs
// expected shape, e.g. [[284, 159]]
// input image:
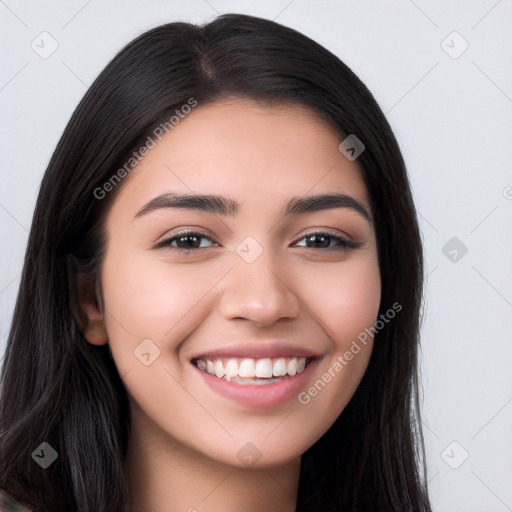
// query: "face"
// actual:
[[232, 321]]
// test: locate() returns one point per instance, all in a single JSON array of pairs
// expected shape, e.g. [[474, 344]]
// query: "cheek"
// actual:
[[345, 299], [148, 298], [357, 303], [347, 305]]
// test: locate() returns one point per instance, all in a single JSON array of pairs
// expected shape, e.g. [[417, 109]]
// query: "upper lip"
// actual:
[[257, 350]]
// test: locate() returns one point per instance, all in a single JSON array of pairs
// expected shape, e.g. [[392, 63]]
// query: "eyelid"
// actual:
[[165, 242], [346, 242], [343, 242], [324, 231]]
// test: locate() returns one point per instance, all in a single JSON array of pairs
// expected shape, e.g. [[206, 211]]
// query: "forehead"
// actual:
[[256, 154]]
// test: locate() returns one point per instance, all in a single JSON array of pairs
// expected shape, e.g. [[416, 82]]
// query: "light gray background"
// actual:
[[453, 119]]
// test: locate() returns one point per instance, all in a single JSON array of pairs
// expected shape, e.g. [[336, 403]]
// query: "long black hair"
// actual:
[[58, 388]]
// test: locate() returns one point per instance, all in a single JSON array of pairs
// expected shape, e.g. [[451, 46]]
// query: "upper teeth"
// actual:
[[265, 368]]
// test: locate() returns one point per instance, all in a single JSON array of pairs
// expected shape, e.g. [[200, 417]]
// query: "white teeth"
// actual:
[[246, 369], [231, 368], [279, 368], [264, 368], [292, 366], [252, 369], [220, 371]]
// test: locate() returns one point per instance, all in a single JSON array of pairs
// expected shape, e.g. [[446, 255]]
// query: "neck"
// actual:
[[164, 474]]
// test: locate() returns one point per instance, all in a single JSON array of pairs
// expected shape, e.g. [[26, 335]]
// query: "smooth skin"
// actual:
[[182, 453]]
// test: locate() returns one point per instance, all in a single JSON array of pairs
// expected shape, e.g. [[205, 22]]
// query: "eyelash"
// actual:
[[342, 243]]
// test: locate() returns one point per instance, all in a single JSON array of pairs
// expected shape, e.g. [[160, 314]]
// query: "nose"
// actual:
[[259, 292]]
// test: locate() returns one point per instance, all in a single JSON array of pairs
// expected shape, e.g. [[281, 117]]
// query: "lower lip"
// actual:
[[263, 395]]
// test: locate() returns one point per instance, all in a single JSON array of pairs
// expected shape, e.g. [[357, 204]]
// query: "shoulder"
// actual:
[[9, 504]]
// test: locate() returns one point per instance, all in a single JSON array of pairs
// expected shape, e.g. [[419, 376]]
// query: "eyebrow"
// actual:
[[228, 207]]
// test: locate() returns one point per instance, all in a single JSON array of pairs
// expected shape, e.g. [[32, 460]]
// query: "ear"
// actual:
[[94, 332], [91, 309]]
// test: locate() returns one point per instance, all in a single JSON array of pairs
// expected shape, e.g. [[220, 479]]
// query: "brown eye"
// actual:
[[185, 242], [323, 241], [192, 241]]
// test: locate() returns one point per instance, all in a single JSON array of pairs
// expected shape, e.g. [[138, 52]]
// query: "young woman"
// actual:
[[219, 307]]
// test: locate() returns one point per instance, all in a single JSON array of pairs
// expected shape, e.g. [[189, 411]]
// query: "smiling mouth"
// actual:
[[253, 371]]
